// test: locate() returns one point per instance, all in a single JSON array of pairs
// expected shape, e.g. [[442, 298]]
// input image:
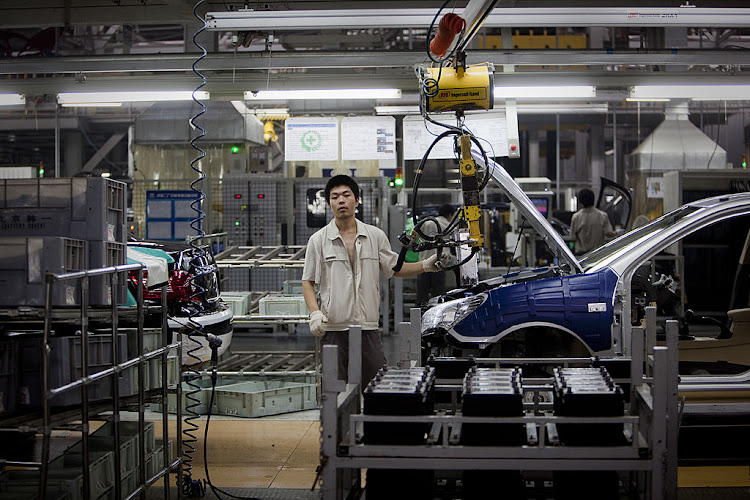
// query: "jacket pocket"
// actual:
[[339, 294]]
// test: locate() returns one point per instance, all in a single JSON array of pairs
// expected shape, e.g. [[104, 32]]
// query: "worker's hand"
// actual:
[[432, 265], [316, 323]]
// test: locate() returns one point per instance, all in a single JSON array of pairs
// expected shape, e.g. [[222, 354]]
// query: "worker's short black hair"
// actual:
[[446, 210], [341, 180], [586, 197]]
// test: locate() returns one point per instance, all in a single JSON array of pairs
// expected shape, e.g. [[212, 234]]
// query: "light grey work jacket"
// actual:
[[349, 295]]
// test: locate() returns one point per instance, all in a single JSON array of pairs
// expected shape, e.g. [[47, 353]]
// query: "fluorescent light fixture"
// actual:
[[397, 110], [522, 109], [552, 92], [106, 174], [647, 99], [323, 94], [561, 109], [100, 97], [93, 104], [271, 111], [695, 92], [12, 99]]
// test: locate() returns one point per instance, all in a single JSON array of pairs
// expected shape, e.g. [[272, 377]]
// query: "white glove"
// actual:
[[431, 265], [316, 323]]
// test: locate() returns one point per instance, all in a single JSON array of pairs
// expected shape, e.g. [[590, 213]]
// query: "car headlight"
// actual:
[[444, 316]]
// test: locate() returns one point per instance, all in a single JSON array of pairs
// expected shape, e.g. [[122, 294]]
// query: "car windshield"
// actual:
[[604, 251]]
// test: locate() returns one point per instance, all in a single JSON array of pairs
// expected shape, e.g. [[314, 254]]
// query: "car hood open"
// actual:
[[524, 205]]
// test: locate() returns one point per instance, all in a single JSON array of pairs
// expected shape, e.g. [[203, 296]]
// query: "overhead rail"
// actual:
[[499, 18]]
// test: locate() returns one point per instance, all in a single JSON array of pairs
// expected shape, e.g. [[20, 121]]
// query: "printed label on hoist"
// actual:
[[598, 307]]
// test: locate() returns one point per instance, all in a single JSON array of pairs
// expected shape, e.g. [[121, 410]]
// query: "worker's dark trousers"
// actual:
[[373, 358]]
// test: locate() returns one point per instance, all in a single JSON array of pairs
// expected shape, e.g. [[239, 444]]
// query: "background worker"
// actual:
[[434, 284], [589, 226], [345, 258]]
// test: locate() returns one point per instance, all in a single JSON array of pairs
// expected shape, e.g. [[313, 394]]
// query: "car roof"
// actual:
[[661, 232]]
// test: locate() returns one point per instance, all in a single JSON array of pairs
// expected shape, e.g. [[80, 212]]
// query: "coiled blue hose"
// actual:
[[193, 488]]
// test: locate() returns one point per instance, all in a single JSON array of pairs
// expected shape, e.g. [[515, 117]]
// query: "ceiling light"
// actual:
[[397, 110], [647, 99], [11, 99], [553, 92], [101, 97], [92, 104], [695, 92], [561, 109], [323, 94], [522, 109], [271, 111]]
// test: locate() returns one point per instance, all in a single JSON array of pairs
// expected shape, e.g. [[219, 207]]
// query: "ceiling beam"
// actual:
[[231, 87], [58, 13], [256, 60], [514, 17]]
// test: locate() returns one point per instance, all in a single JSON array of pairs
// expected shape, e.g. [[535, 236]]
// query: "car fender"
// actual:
[[519, 327]]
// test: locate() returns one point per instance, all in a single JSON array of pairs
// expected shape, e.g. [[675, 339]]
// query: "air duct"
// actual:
[[169, 123], [677, 144]]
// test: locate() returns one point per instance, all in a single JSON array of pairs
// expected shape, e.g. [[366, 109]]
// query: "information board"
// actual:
[[310, 139], [490, 128], [169, 214], [368, 138]]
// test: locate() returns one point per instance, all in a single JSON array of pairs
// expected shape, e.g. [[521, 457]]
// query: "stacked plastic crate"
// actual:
[[289, 303], [406, 391], [60, 225], [588, 392], [65, 480], [492, 392]]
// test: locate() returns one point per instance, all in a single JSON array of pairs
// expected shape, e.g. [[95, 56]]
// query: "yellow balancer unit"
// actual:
[[461, 89]]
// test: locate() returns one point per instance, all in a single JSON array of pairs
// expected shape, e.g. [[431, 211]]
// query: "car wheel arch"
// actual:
[[541, 338]]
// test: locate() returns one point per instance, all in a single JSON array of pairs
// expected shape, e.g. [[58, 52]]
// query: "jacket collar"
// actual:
[[332, 230]]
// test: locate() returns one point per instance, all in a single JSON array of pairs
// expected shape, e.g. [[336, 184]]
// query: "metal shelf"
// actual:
[[43, 421], [265, 257], [650, 427]]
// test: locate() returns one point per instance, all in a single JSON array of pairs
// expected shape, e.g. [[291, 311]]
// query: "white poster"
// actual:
[[491, 130], [655, 187], [308, 139], [368, 138]]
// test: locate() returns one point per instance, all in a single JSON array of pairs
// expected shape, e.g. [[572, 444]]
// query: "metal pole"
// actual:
[[614, 141], [57, 140], [355, 356], [673, 420], [47, 429], [85, 387], [557, 159], [659, 424], [115, 386]]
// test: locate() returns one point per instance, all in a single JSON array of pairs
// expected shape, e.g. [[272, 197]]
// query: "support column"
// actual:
[[582, 158], [535, 167], [596, 143], [72, 146]]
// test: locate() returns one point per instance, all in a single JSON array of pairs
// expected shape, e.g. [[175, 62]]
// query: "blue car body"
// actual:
[[581, 304]]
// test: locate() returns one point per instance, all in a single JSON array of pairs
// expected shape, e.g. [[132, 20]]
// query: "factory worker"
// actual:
[[589, 226], [345, 258]]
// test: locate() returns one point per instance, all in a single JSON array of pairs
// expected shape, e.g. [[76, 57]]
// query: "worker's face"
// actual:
[[342, 202]]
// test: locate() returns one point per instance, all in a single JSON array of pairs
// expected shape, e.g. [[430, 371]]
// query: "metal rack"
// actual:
[[49, 420], [649, 458]]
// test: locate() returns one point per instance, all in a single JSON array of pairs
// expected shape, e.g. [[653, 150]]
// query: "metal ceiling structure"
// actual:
[[147, 45]]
